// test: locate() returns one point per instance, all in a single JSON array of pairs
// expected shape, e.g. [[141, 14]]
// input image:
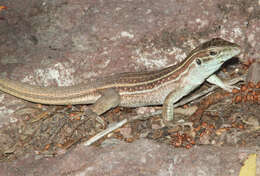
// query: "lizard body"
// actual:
[[165, 86]]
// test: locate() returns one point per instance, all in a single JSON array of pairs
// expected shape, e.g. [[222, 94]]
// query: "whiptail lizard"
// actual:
[[165, 86]]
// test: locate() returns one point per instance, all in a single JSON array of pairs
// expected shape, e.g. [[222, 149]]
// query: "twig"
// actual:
[[105, 132]]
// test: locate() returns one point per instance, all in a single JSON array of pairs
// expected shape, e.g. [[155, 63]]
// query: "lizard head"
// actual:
[[216, 49], [208, 57]]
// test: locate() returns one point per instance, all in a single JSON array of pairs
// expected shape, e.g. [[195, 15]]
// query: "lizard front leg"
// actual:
[[109, 99], [214, 79], [167, 112]]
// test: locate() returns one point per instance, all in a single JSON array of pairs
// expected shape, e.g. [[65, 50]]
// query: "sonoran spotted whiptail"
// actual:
[[165, 86]]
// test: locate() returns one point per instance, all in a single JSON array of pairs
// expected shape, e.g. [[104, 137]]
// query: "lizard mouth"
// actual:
[[236, 50], [230, 53]]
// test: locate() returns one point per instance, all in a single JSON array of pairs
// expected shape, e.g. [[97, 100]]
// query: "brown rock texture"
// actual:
[[143, 157], [64, 42]]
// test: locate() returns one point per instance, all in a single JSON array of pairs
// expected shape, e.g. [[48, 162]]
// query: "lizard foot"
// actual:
[[96, 118]]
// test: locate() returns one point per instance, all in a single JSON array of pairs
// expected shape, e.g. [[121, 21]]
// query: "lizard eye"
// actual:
[[212, 53], [198, 61]]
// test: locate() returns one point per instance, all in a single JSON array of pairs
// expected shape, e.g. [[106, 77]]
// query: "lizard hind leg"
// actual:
[[108, 100]]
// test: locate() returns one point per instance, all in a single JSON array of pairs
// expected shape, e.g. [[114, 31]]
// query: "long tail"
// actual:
[[47, 95]]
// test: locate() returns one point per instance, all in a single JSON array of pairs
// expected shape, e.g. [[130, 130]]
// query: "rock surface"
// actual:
[[142, 157], [64, 42]]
